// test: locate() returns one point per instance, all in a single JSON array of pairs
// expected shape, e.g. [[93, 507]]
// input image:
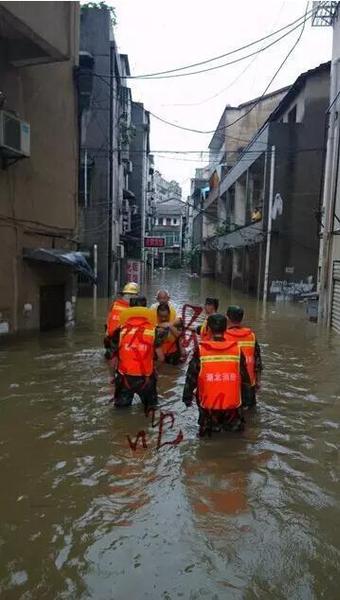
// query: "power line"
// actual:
[[238, 139], [232, 62], [185, 152], [231, 84], [209, 60], [250, 109]]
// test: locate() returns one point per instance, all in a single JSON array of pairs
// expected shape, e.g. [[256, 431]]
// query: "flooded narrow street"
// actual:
[[252, 515]]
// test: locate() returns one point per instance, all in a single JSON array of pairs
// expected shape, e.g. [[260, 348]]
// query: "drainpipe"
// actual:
[[180, 240], [259, 273], [269, 226]]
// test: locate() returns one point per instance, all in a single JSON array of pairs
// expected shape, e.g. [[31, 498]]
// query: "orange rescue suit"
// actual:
[[169, 346], [136, 347], [112, 322], [245, 339], [219, 379]]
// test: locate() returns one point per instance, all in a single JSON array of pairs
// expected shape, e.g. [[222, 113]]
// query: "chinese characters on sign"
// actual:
[[154, 242], [134, 271]]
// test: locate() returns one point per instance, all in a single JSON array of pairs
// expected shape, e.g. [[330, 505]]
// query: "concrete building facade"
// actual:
[[199, 189], [169, 224], [271, 199], [166, 190], [139, 182], [328, 14], [105, 124], [39, 51]]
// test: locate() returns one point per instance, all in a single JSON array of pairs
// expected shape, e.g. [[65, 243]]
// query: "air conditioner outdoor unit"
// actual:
[[128, 165], [15, 136]]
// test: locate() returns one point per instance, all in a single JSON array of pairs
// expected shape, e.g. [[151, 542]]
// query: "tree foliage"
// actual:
[[101, 6]]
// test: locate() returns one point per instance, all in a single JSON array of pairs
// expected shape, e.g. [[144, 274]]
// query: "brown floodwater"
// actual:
[[252, 515]]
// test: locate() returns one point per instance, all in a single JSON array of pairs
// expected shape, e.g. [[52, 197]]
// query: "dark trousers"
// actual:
[[219, 420], [248, 396], [126, 386], [174, 358]]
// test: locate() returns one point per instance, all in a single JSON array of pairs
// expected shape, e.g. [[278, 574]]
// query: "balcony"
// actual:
[[248, 235], [36, 32]]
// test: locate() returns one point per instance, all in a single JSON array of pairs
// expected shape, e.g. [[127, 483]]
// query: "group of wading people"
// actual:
[[224, 372]]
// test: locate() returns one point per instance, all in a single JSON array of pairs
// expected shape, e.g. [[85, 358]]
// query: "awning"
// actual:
[[68, 258]]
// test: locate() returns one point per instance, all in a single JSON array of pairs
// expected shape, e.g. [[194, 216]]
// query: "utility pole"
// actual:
[[95, 270], [269, 225]]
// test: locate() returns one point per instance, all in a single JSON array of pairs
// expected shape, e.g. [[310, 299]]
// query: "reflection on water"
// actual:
[[237, 516]]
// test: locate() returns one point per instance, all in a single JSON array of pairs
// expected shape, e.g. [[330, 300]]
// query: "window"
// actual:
[[292, 115], [168, 221], [175, 221], [164, 221], [171, 239]]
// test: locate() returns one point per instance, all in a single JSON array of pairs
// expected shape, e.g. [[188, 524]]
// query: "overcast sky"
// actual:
[[160, 34]]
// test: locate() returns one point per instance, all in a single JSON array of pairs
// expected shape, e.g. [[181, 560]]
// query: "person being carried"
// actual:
[[250, 347], [215, 375], [136, 350], [130, 290], [210, 308], [169, 334]]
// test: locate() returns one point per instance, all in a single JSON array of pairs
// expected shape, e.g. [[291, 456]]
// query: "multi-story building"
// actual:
[[328, 14], [166, 190], [199, 189], [139, 182], [265, 240], [39, 160], [169, 222], [235, 129], [105, 103]]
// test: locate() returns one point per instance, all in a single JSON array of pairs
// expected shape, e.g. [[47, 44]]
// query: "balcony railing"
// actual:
[[247, 235]]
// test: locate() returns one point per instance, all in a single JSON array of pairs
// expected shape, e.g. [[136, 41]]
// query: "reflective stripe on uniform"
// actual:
[[220, 358]]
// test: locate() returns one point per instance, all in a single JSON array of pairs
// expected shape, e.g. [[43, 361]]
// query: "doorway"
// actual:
[[52, 307]]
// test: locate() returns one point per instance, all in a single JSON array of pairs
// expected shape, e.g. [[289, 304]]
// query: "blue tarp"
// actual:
[[68, 258]]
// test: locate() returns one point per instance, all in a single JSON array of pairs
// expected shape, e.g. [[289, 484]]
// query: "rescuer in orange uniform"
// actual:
[[250, 347], [130, 290], [135, 347], [217, 373]]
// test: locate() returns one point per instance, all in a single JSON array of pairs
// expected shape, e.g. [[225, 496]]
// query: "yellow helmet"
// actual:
[[131, 288]]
